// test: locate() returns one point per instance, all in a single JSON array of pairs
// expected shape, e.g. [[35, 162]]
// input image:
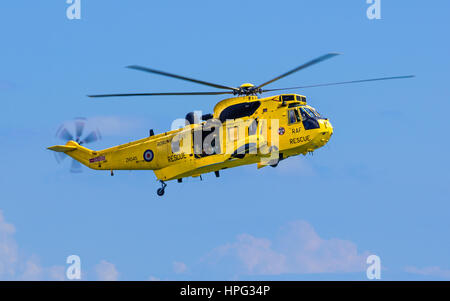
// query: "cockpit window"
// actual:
[[311, 112], [309, 119], [293, 116], [306, 113], [317, 114]]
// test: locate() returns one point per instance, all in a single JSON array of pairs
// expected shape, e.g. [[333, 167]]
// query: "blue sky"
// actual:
[[380, 186]]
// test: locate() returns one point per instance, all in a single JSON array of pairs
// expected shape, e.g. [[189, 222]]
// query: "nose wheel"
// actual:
[[160, 191]]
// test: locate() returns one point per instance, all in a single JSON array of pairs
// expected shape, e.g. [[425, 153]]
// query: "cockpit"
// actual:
[[299, 111], [305, 114]]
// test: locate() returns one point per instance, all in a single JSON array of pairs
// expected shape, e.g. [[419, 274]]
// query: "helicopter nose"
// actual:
[[329, 127], [327, 131]]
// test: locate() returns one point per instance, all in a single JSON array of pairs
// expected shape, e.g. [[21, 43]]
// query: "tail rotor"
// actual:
[[74, 131]]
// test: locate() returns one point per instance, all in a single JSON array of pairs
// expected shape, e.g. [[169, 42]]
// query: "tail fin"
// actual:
[[74, 150]]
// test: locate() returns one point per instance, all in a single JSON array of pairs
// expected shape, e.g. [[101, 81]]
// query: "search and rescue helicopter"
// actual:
[[235, 134]]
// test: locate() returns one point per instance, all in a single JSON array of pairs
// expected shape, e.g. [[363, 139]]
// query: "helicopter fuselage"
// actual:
[[243, 130]]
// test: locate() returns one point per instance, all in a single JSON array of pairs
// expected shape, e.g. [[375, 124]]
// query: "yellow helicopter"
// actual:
[[244, 129]]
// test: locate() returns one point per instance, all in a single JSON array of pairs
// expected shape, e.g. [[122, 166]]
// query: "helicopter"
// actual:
[[243, 129]]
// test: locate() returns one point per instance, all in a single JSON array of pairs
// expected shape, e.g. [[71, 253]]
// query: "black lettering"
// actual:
[[130, 159], [296, 130], [176, 157], [299, 140]]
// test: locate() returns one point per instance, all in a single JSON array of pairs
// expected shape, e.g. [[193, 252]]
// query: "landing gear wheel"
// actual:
[[160, 191]]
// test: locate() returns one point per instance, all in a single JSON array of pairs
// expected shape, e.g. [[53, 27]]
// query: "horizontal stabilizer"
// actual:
[[62, 148]]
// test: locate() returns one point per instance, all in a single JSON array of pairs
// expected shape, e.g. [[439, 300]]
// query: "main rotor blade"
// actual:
[[343, 83], [161, 94], [145, 69], [308, 64]]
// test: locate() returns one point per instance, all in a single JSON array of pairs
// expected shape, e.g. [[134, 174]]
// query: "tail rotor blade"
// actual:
[[65, 135], [60, 157], [92, 137], [74, 131], [75, 167], [79, 127]]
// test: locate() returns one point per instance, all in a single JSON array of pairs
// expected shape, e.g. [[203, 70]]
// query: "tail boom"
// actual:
[[80, 153]]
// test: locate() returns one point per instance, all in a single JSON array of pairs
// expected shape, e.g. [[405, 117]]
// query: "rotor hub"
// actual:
[[247, 89]]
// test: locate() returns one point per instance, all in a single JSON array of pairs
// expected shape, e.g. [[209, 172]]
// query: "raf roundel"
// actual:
[[148, 155], [281, 131]]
